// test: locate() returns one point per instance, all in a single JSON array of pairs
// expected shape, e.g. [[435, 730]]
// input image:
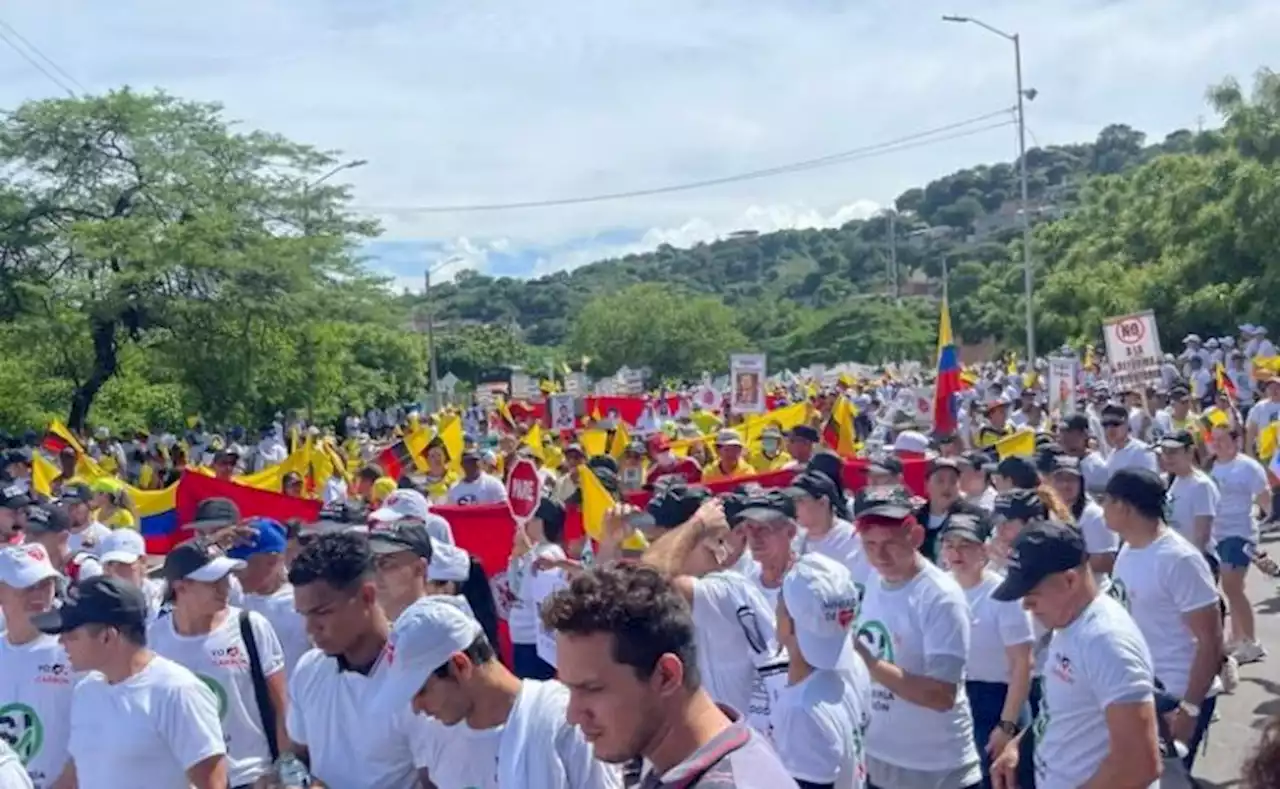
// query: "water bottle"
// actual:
[[293, 774], [588, 554]]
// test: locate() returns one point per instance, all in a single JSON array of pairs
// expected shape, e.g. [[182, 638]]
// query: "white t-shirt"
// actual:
[[1098, 660], [1134, 454], [221, 660], [993, 627], [36, 685], [291, 628], [843, 544], [460, 757], [1159, 584], [1262, 415], [1192, 496], [539, 587], [522, 618], [1097, 537], [145, 731], [734, 629], [485, 489], [325, 706], [12, 774], [820, 729], [1239, 481], [907, 625]]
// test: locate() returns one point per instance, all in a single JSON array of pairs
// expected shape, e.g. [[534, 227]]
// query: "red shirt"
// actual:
[[687, 469]]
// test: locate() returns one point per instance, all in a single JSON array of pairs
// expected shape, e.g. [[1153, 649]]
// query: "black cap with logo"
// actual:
[[891, 502], [215, 513], [75, 493], [1022, 505], [674, 503], [399, 536], [103, 600], [48, 519], [1043, 548]]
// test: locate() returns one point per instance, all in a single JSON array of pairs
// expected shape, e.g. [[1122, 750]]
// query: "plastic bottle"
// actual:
[[293, 774]]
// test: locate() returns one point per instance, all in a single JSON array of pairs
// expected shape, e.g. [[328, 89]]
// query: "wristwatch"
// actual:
[[1189, 708], [1008, 727]]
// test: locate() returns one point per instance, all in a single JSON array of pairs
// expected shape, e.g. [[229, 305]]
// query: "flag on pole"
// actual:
[[947, 386]]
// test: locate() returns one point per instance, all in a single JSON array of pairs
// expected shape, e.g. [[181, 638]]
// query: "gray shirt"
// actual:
[[738, 758]]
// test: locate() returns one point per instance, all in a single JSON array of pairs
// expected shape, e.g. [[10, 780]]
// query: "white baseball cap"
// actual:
[[402, 503], [822, 599], [448, 563], [24, 566], [911, 441], [424, 637], [122, 545]]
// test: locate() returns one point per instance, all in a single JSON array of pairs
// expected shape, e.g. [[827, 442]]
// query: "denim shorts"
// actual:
[[1236, 553]]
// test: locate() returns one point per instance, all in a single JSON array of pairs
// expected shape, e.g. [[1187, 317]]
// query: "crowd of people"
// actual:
[[1062, 617]]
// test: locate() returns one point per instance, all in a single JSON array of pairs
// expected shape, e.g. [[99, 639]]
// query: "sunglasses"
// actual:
[[1111, 423]]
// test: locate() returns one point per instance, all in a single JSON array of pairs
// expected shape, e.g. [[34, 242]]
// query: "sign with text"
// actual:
[[747, 374], [524, 490], [1133, 348], [1062, 385], [562, 416]]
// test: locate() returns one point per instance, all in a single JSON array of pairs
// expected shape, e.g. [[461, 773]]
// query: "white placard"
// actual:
[[1063, 371], [561, 411], [747, 374], [1133, 348], [522, 386], [577, 384]]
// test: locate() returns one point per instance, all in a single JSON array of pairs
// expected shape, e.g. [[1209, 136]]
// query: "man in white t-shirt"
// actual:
[[123, 555], [1165, 584], [1125, 451], [36, 679], [138, 719], [822, 715], [913, 635], [86, 533], [1262, 414], [266, 587], [409, 506], [333, 687], [493, 729], [1097, 723], [476, 487]]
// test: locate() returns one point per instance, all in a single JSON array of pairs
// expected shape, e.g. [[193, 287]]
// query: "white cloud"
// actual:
[[480, 101]]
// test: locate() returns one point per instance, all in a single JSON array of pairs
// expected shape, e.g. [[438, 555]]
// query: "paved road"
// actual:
[[1244, 712]]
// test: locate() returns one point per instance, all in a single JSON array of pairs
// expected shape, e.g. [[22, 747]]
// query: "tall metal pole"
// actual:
[[1026, 204], [431, 342], [893, 254]]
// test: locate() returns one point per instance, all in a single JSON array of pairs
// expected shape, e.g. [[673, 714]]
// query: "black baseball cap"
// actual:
[[674, 503], [892, 502], [1140, 488], [978, 460], [813, 484], [103, 600], [225, 456], [1179, 392], [828, 463], [1113, 415], [50, 519], [966, 526], [400, 536], [1078, 423], [1019, 471], [1046, 456], [75, 493], [885, 464], [1043, 548], [550, 511], [1023, 505], [1182, 439], [804, 432], [215, 513], [1066, 464], [943, 464], [766, 507], [15, 497], [198, 560]]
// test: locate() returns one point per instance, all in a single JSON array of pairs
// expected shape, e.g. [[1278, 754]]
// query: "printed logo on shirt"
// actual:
[[53, 674], [751, 629], [219, 693], [877, 639], [504, 597], [230, 657], [1041, 724], [1119, 592], [22, 729], [1062, 668], [463, 500]]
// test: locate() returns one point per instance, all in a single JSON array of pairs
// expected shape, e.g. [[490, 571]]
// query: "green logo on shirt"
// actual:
[[877, 639], [219, 693], [20, 726], [1041, 725], [1119, 592]]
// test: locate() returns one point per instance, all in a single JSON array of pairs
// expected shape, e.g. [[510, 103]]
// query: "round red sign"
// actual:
[[524, 490], [1131, 331]]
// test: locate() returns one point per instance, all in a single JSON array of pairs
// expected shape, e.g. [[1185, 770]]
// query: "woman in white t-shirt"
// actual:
[[998, 667], [1242, 485], [1192, 496], [206, 635], [1100, 541], [540, 538]]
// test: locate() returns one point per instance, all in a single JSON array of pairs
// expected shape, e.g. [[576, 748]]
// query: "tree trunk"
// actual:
[[104, 366]]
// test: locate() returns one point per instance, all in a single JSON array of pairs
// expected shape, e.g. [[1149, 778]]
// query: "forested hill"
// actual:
[[821, 295]]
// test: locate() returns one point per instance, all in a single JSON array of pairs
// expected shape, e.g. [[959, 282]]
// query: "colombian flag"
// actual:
[[948, 385], [1224, 383]]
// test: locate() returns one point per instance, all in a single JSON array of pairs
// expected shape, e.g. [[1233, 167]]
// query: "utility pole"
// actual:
[[1028, 95], [433, 374], [946, 283], [893, 255]]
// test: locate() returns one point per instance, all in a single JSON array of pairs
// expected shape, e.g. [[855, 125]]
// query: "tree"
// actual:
[[673, 333], [135, 218]]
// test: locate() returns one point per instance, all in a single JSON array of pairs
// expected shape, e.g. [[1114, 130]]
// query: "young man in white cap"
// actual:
[[138, 719], [497, 730], [123, 555], [822, 715], [220, 643], [409, 506], [36, 679]]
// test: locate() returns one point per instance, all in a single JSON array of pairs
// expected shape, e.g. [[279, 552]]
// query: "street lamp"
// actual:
[[1022, 168], [307, 187], [431, 327]]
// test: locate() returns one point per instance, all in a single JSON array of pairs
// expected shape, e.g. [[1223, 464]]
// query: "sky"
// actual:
[[474, 102]]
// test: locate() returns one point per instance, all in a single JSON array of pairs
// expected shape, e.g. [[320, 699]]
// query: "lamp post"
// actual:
[[431, 328], [1028, 95], [307, 187]]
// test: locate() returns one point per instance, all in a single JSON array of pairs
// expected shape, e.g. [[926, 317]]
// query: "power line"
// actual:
[[919, 139], [9, 38]]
